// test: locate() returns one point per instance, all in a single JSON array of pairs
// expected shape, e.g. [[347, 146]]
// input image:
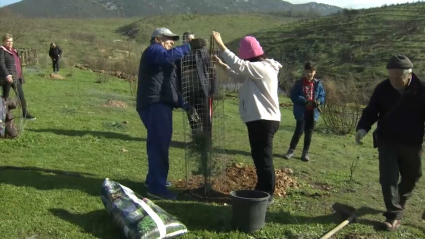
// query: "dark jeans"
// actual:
[[306, 126], [18, 87], [261, 134], [394, 161], [55, 64], [158, 120]]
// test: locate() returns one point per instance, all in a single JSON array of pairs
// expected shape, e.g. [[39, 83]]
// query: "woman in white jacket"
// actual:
[[258, 102]]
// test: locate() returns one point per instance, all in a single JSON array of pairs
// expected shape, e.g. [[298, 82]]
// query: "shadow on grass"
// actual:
[[286, 218], [97, 223], [244, 153], [46, 179], [195, 215], [100, 134]]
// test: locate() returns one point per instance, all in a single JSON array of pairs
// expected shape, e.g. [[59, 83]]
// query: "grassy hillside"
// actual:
[[358, 44], [131, 8], [93, 40], [351, 44], [234, 26]]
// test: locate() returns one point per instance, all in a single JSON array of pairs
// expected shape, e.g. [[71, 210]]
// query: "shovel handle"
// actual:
[[336, 229]]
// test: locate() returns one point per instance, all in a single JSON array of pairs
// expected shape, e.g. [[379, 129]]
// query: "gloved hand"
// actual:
[[359, 135], [188, 108], [309, 103], [193, 114], [316, 103], [198, 43]]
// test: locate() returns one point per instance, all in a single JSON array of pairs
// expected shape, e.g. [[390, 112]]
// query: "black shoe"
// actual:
[[29, 117]]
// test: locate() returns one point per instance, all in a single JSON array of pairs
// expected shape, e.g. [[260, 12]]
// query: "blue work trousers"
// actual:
[[158, 120]]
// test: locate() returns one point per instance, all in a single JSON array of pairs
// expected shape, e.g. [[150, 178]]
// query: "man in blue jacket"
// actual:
[[157, 96], [307, 95]]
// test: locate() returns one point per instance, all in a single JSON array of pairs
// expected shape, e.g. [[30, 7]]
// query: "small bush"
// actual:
[[343, 106]]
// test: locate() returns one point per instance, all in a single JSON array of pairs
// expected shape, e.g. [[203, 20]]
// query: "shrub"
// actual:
[[343, 106]]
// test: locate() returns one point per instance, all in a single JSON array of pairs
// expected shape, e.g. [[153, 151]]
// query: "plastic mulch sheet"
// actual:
[[138, 217]]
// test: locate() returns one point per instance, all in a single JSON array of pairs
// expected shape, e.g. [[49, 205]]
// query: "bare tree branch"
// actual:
[[14, 24]]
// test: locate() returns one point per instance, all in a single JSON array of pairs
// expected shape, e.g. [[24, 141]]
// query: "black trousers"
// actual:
[[261, 134], [55, 65], [18, 87], [398, 161], [306, 126]]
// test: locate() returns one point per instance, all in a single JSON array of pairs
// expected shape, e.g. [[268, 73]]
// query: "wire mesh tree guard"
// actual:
[[203, 124]]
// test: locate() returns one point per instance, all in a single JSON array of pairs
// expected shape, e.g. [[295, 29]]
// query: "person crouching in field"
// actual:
[[197, 82], [398, 105], [307, 95], [258, 102], [55, 52], [8, 127]]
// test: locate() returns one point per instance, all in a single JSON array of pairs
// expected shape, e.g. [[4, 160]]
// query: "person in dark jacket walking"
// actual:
[[11, 73], [55, 52], [157, 95], [307, 95], [398, 105]]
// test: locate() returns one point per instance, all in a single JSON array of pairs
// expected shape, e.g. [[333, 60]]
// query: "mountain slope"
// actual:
[[358, 43], [132, 8]]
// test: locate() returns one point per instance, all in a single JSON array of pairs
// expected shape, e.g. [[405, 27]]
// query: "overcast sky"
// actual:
[[339, 3]]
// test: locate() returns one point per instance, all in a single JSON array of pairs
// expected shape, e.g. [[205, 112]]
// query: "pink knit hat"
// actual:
[[249, 47]]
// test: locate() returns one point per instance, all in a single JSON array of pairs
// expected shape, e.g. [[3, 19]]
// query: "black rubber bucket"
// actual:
[[249, 209]]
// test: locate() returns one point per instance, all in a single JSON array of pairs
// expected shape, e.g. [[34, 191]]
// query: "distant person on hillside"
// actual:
[[11, 74], [55, 52], [258, 102], [307, 95], [196, 80], [157, 95], [398, 105]]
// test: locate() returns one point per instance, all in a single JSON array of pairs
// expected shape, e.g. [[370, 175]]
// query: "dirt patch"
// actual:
[[115, 103], [236, 177], [322, 186], [118, 74], [55, 76]]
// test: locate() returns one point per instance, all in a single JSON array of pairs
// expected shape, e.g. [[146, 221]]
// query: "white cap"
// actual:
[[165, 32]]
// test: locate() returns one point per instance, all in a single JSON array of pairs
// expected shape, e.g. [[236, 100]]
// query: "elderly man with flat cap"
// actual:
[[398, 105], [157, 96]]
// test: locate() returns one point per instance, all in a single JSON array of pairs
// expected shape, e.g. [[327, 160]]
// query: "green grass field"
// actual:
[[75, 144]]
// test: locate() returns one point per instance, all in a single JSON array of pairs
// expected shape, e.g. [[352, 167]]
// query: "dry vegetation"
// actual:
[[349, 49]]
